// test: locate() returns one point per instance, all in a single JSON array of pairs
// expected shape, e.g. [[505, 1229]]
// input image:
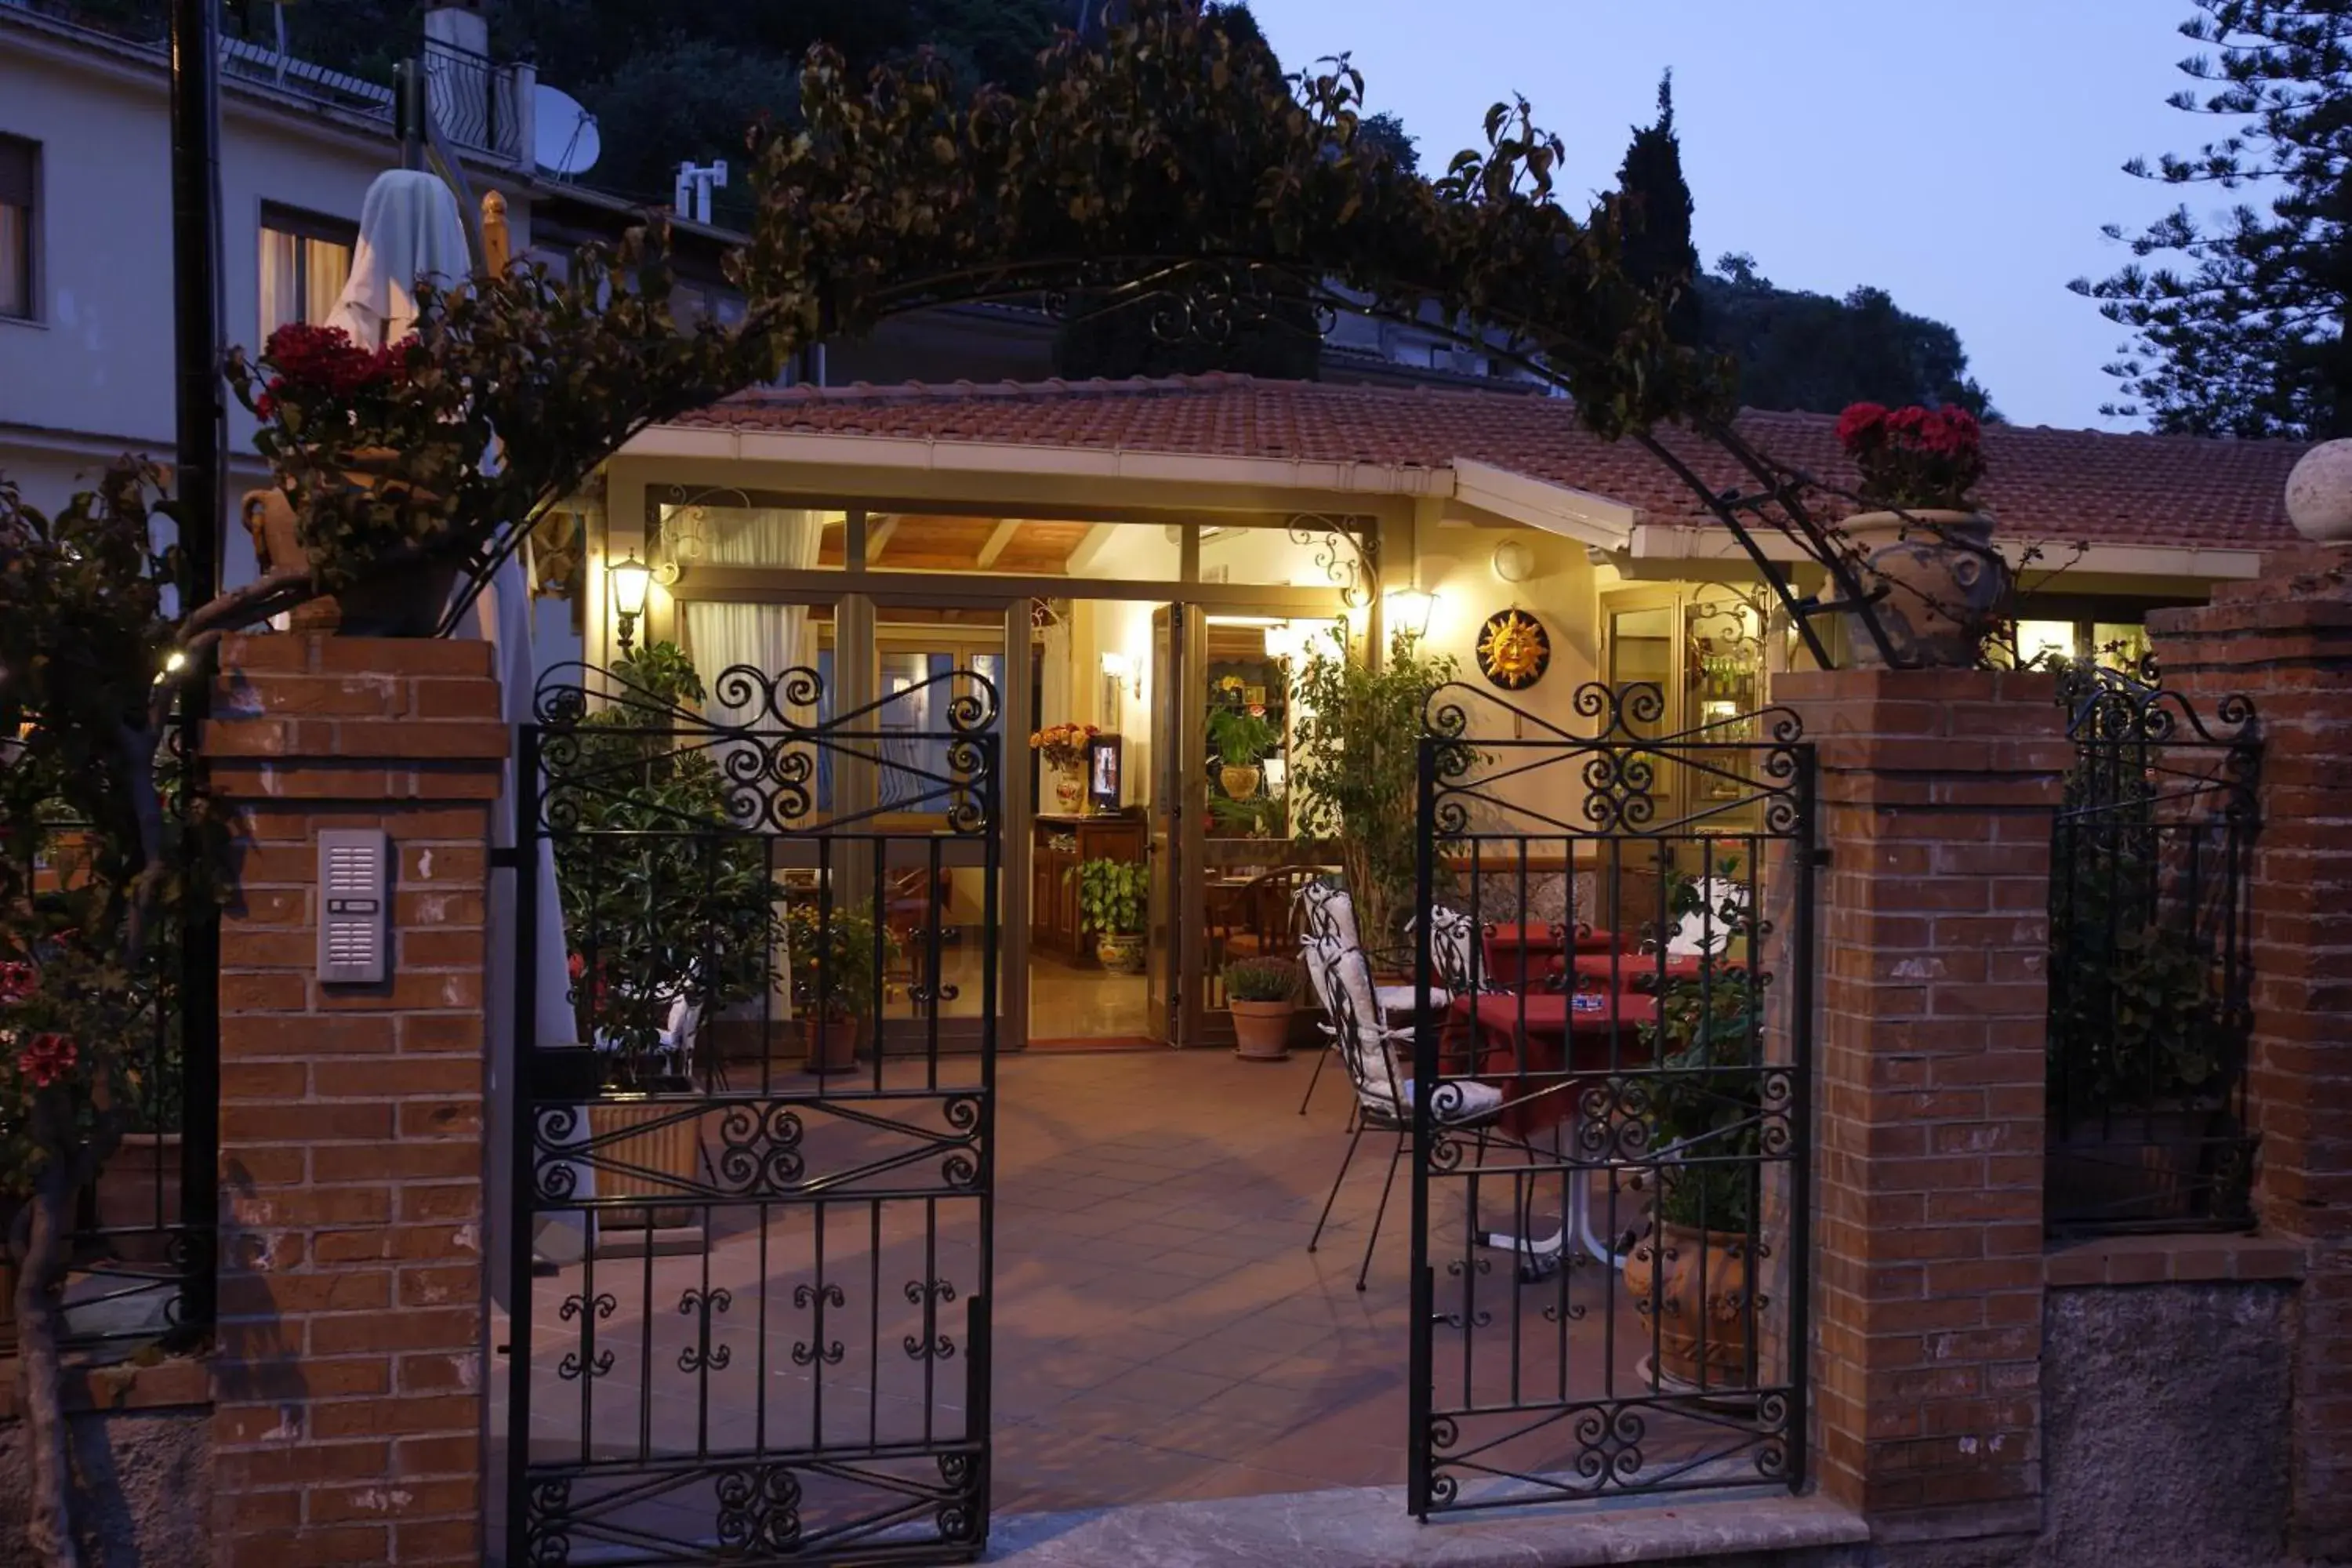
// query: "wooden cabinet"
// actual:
[[1062, 842]]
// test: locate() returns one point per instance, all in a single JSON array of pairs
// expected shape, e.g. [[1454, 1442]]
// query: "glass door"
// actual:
[[926, 877], [1165, 835]]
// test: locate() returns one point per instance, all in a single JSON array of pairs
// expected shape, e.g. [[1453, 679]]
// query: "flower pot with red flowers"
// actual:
[[368, 458], [1926, 553], [1262, 992]]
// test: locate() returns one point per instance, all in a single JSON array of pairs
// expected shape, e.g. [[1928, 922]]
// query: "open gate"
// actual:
[[752, 1208], [1609, 1255]]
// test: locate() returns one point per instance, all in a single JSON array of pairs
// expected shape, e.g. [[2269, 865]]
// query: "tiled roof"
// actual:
[[2054, 485]]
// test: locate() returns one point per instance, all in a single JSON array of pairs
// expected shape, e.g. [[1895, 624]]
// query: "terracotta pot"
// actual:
[[1070, 792], [7, 1308], [672, 1149], [1663, 1275], [1239, 784], [139, 1192], [1261, 1030], [1943, 585], [1120, 954], [830, 1045], [404, 601]]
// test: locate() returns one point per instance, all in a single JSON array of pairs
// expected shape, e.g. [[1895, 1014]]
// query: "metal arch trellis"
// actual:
[[2151, 958], [758, 1329], [1611, 1160]]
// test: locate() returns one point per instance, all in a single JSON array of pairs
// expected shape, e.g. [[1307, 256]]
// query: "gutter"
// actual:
[[929, 455], [1669, 542]]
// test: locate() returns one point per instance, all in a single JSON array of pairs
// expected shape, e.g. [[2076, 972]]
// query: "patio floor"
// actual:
[[1160, 1331]]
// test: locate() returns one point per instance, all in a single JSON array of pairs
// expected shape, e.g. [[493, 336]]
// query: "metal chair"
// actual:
[[1384, 1091]]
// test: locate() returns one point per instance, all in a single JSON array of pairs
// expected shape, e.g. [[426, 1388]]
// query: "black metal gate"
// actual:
[[2151, 958], [752, 1206], [1610, 1161]]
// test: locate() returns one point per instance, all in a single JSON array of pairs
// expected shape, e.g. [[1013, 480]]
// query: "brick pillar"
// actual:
[[2285, 641], [1936, 791], [348, 1383]]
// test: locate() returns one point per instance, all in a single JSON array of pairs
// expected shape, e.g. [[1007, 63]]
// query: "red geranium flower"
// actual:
[[18, 981], [46, 1059]]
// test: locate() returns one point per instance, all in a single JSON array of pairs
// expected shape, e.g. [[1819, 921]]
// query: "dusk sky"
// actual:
[[1961, 157]]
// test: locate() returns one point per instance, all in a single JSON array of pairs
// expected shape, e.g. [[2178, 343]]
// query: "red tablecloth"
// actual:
[[1533, 1046], [1635, 969], [1516, 951]]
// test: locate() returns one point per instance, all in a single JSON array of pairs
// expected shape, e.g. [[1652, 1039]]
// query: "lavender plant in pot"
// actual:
[[1927, 550], [1263, 993]]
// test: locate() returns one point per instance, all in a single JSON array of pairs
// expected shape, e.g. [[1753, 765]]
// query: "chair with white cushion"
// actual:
[[1384, 1088], [1328, 915]]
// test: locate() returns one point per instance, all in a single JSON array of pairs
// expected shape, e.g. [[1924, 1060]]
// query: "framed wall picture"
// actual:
[[1104, 755]]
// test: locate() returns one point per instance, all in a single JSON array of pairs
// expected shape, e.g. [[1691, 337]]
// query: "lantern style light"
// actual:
[[1409, 611], [630, 579]]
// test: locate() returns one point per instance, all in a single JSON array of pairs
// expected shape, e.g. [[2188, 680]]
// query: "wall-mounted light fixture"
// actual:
[[630, 579], [1119, 668], [1409, 611], [1514, 561]]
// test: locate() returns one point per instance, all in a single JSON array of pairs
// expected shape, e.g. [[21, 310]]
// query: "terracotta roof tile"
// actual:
[[2056, 485]]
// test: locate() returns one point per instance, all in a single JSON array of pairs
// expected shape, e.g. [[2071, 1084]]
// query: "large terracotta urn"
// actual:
[[1664, 1275], [1944, 583]]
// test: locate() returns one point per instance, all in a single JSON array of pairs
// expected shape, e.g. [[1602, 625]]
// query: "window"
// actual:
[[20, 164], [305, 262]]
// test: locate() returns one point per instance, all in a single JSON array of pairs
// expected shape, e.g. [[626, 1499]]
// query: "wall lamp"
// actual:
[[1409, 611], [630, 579]]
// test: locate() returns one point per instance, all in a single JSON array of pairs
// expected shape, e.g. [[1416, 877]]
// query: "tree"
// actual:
[[1658, 250], [1792, 350], [2242, 332], [1796, 349], [1386, 132]]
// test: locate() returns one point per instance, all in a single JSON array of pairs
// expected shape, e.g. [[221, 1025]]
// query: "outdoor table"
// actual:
[[1539, 1035], [1639, 971], [1519, 950]]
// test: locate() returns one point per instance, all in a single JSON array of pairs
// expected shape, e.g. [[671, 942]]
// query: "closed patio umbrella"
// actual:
[[411, 227]]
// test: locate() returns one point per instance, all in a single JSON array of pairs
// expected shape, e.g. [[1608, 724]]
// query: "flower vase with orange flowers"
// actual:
[[1065, 748]]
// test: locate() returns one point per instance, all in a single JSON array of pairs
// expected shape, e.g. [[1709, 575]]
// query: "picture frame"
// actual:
[[1106, 756]]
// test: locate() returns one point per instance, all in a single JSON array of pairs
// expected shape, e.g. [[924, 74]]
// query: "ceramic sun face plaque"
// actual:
[[1514, 650]]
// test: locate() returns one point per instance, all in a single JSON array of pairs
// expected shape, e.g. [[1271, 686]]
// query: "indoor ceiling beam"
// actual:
[[997, 540]]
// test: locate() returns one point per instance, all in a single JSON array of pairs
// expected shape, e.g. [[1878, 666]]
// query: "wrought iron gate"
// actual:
[[2151, 958], [1610, 1255], [753, 1207]]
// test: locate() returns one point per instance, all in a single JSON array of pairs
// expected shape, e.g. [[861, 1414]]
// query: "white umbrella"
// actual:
[[410, 227]]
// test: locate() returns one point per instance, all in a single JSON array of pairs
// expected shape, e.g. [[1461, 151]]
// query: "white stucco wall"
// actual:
[[93, 377]]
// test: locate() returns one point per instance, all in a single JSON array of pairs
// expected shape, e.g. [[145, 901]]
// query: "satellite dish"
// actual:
[[564, 133]]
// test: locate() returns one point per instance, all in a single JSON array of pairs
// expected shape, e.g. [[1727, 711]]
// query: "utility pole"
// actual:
[[198, 482]]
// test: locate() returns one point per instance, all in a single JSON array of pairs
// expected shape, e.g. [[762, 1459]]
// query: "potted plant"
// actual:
[[350, 429], [1354, 762], [665, 901], [1263, 993], [832, 957], [1111, 896], [1242, 736], [1704, 1118], [1065, 748], [1926, 548]]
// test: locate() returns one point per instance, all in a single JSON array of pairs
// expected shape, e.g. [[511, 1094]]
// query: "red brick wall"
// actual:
[[2285, 641], [348, 1383], [1937, 791]]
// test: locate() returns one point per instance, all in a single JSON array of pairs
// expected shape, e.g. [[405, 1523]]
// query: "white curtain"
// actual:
[[1057, 702], [757, 536], [770, 638]]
